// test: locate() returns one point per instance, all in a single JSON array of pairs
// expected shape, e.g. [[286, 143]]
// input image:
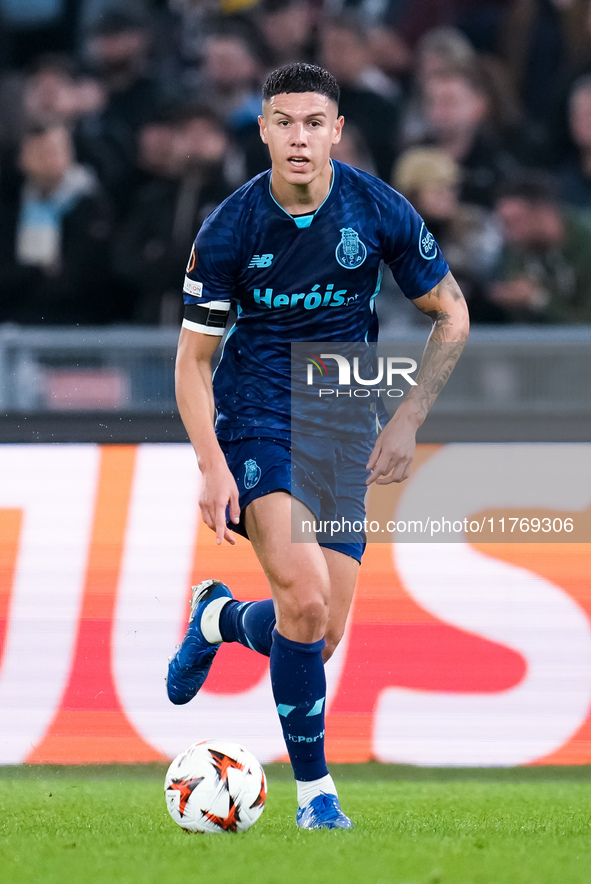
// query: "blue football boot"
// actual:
[[323, 812], [188, 668]]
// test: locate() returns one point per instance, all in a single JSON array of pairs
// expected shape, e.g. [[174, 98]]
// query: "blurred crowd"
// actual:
[[123, 124]]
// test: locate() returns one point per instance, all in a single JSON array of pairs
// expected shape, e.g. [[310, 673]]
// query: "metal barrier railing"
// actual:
[[510, 370], [90, 368]]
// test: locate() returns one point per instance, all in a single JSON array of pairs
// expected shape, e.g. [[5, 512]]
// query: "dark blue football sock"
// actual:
[[249, 623], [299, 688]]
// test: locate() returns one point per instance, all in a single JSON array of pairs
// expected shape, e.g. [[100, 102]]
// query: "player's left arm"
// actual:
[[393, 453]]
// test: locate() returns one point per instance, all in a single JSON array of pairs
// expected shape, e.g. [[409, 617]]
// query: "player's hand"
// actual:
[[393, 454], [218, 489]]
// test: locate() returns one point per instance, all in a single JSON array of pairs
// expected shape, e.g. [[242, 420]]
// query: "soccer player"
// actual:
[[310, 225]]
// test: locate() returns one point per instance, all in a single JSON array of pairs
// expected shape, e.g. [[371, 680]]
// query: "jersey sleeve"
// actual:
[[410, 249], [209, 280]]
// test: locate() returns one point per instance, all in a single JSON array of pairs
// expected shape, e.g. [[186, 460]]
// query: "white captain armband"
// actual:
[[209, 319]]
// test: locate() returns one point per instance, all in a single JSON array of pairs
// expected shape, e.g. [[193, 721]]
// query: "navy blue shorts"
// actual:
[[328, 476]]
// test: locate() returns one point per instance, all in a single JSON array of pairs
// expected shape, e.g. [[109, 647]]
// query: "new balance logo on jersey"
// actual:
[[261, 261]]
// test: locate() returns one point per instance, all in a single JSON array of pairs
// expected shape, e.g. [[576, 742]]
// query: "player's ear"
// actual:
[[262, 129], [338, 130]]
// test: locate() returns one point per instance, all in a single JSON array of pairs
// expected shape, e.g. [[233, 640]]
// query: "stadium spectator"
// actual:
[[347, 44], [233, 66], [543, 41], [353, 149], [288, 27], [528, 145], [458, 109], [189, 182], [234, 61], [445, 53], [400, 27], [545, 270], [156, 148], [405, 21], [575, 170], [483, 22], [49, 94], [458, 101], [55, 91], [346, 53], [119, 53], [101, 141], [35, 26], [54, 239], [194, 23], [413, 18], [439, 52], [41, 94], [118, 49], [469, 235]]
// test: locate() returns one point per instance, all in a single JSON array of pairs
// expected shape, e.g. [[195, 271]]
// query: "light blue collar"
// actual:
[[303, 220]]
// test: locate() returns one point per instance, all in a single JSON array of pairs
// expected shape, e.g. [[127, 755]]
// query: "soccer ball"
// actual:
[[215, 786]]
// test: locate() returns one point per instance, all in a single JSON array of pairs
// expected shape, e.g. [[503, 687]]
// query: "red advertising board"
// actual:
[[461, 653]]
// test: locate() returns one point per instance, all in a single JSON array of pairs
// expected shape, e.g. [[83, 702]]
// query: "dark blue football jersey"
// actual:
[[293, 279]]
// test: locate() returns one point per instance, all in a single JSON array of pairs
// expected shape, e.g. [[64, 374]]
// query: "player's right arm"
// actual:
[[194, 393]]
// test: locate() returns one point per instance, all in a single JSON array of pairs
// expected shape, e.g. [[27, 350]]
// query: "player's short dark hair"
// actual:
[[301, 77]]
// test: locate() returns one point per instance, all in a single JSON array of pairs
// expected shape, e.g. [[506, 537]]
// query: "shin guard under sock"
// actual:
[[299, 689]]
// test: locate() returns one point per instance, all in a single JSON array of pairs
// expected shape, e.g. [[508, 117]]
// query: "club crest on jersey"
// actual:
[[427, 244], [252, 473], [350, 252]]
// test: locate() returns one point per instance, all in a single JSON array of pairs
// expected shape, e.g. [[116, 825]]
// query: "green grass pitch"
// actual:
[[412, 826]]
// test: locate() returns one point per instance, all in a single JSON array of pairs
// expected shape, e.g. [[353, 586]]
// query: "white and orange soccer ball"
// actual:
[[215, 786]]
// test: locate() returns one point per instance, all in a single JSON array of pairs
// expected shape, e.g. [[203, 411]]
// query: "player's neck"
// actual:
[[299, 199]]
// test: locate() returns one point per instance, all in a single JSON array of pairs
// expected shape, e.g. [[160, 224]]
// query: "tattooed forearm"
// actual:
[[437, 364], [445, 305]]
